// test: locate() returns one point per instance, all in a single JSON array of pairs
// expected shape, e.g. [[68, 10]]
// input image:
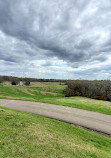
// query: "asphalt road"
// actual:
[[90, 120]]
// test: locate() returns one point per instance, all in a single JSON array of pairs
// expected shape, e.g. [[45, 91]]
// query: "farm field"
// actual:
[[28, 135], [49, 92]]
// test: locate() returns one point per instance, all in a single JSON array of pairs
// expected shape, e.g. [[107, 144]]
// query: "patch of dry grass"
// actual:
[[43, 84], [50, 93], [26, 91]]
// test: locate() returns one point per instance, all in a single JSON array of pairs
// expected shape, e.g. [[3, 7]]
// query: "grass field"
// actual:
[[31, 136], [52, 93]]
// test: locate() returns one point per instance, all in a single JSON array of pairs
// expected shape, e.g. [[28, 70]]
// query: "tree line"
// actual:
[[17, 79]]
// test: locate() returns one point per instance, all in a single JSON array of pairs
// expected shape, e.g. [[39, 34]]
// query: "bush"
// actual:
[[92, 89], [1, 81], [27, 82], [13, 83]]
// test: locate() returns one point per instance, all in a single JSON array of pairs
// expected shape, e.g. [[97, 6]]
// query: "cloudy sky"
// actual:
[[65, 39]]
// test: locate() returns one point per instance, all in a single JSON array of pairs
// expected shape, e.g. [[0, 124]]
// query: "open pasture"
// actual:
[[52, 92]]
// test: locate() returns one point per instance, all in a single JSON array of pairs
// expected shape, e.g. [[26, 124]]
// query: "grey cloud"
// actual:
[[73, 31], [46, 64]]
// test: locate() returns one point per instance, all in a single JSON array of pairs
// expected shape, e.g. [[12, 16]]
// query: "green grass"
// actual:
[[52, 93], [30, 136]]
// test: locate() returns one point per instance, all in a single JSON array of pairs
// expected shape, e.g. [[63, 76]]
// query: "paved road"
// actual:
[[83, 118]]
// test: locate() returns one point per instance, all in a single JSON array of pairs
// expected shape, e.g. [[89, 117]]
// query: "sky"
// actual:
[[58, 39]]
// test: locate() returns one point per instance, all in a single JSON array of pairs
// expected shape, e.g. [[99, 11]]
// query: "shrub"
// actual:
[[92, 89], [1, 81], [27, 82], [13, 83]]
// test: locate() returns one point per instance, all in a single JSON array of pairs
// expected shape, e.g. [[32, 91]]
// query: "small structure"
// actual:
[[20, 83]]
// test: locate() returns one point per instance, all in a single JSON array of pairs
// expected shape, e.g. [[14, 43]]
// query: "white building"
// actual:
[[21, 83]]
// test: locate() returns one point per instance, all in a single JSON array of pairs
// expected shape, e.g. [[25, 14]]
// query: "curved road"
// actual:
[[87, 119]]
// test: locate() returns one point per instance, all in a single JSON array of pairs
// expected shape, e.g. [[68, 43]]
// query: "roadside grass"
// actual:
[[28, 135], [51, 92]]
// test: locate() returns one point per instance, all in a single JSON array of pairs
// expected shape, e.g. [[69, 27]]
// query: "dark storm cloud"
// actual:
[[75, 31], [10, 59]]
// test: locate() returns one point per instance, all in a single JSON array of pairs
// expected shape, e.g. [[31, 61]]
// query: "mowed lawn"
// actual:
[[30, 136], [48, 92]]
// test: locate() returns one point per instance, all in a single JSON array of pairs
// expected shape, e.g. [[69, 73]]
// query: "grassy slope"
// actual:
[[52, 93], [28, 135]]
